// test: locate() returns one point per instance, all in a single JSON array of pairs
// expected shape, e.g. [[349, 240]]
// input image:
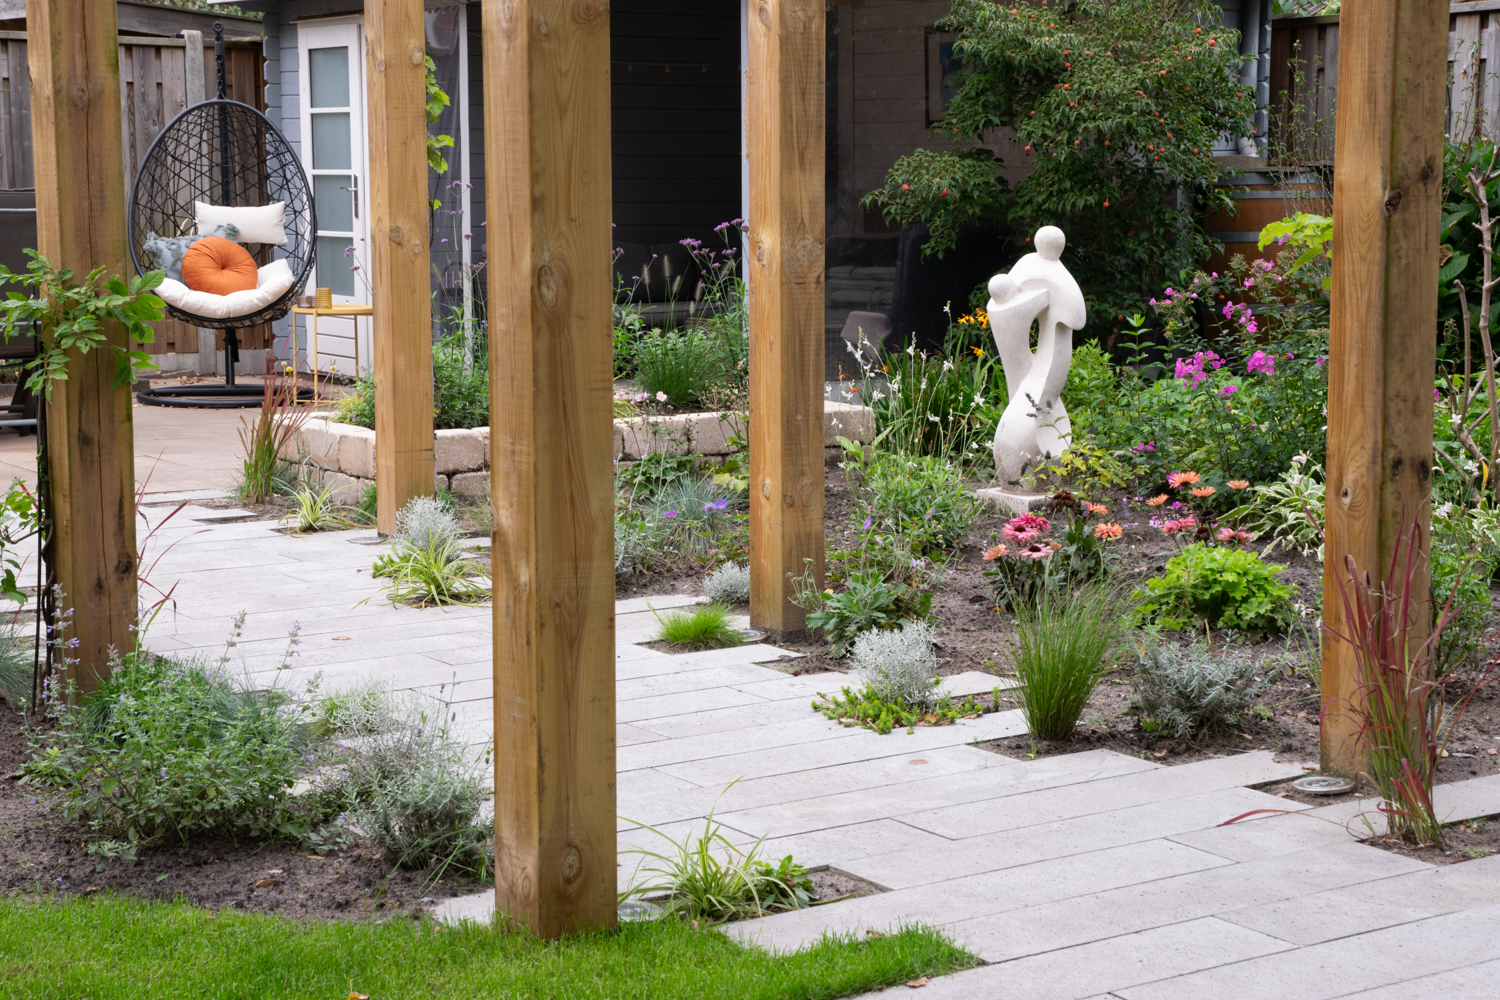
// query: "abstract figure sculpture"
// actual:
[[1039, 288]]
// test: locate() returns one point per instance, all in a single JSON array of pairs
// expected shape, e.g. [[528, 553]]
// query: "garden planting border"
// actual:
[[344, 454]]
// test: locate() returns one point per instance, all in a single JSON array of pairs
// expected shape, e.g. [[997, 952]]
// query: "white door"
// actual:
[[332, 59]]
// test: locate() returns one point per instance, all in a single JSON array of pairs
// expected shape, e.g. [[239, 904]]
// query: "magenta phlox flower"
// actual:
[[1261, 363], [1229, 390]]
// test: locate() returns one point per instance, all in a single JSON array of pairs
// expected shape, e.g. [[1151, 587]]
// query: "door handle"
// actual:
[[353, 192]]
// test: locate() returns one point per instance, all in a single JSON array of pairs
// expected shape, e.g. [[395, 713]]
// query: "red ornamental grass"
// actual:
[[1399, 708]]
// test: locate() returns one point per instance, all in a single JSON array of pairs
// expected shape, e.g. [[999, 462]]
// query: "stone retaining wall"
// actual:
[[345, 454]]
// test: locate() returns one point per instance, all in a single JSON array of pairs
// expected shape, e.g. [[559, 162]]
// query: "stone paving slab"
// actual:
[[1470, 981], [1076, 835], [1210, 892], [1113, 963], [917, 794], [1338, 968], [945, 903], [1350, 910], [863, 745], [1105, 795], [699, 748]]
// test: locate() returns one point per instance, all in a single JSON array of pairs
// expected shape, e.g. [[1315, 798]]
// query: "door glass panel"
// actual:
[[333, 264], [331, 146], [335, 205], [328, 70]]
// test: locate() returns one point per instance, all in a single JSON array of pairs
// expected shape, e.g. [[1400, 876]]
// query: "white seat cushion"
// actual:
[[271, 284]]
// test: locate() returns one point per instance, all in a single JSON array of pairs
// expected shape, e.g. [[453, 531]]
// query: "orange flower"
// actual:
[[1203, 491], [1237, 484], [1178, 480], [1095, 508], [995, 553], [978, 351], [1107, 532], [1158, 501]]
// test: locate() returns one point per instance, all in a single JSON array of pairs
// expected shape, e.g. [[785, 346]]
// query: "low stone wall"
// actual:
[[345, 454]]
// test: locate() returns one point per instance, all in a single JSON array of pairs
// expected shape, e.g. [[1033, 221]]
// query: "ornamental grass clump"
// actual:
[[1400, 709], [707, 877], [704, 627], [1063, 644], [1187, 690]]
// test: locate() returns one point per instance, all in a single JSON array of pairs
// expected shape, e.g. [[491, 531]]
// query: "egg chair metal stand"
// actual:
[[228, 154]]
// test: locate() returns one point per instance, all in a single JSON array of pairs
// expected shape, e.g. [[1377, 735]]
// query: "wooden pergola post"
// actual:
[[785, 126], [1383, 340], [80, 213], [547, 147], [395, 46]]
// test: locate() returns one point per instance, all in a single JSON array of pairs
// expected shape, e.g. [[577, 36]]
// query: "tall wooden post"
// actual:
[[1382, 348], [785, 123], [547, 144], [80, 212], [395, 45]]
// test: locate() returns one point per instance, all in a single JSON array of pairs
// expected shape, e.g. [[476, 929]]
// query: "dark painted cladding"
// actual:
[[675, 72]]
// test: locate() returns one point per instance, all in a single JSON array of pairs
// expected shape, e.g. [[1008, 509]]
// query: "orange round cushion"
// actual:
[[218, 266]]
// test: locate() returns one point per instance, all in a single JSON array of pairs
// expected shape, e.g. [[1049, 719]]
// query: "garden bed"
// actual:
[[41, 855]]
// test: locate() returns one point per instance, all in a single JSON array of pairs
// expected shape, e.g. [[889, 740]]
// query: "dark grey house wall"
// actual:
[[675, 68]]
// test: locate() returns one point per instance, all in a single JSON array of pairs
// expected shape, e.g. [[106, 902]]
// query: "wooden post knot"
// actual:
[[542, 26], [397, 237], [572, 864], [789, 500], [547, 284], [417, 55], [1392, 202], [765, 14], [765, 489], [589, 11]]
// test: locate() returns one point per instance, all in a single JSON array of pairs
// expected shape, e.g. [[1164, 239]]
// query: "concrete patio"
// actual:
[[1089, 875]]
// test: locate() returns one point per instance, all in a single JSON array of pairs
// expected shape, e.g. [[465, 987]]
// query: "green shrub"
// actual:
[[922, 499], [1187, 690], [460, 389], [1221, 586], [684, 365], [1062, 643], [694, 512], [172, 749], [650, 473], [868, 601], [1289, 511], [704, 627]]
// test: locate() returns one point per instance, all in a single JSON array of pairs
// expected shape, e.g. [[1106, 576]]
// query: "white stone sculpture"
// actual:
[[1039, 288]]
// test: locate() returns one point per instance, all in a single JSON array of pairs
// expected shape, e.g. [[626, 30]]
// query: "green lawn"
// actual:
[[117, 947]]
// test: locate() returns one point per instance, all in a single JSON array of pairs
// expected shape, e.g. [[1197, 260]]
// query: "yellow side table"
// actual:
[[351, 311]]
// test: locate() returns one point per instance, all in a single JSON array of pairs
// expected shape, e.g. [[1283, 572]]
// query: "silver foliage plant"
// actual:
[[898, 665], [729, 584], [414, 789], [426, 523], [1190, 689]]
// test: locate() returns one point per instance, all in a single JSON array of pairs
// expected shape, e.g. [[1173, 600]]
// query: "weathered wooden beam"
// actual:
[[80, 201], [400, 283], [547, 145], [784, 128], [1383, 341]]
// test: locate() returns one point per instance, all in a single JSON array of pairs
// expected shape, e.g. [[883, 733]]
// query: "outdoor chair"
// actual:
[[221, 168]]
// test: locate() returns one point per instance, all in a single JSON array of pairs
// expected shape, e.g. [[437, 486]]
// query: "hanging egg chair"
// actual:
[[222, 169]]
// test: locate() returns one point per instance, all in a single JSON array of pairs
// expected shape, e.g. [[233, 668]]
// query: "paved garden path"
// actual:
[[1091, 875]]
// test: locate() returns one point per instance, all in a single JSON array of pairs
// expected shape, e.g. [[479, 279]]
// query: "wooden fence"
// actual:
[[159, 78], [1303, 116]]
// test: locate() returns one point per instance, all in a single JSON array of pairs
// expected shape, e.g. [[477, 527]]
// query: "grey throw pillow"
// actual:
[[166, 252]]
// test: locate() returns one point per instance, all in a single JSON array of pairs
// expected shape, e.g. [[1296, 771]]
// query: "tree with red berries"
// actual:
[[1117, 104]]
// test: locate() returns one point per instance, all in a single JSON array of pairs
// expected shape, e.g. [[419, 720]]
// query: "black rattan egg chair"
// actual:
[[222, 153]]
